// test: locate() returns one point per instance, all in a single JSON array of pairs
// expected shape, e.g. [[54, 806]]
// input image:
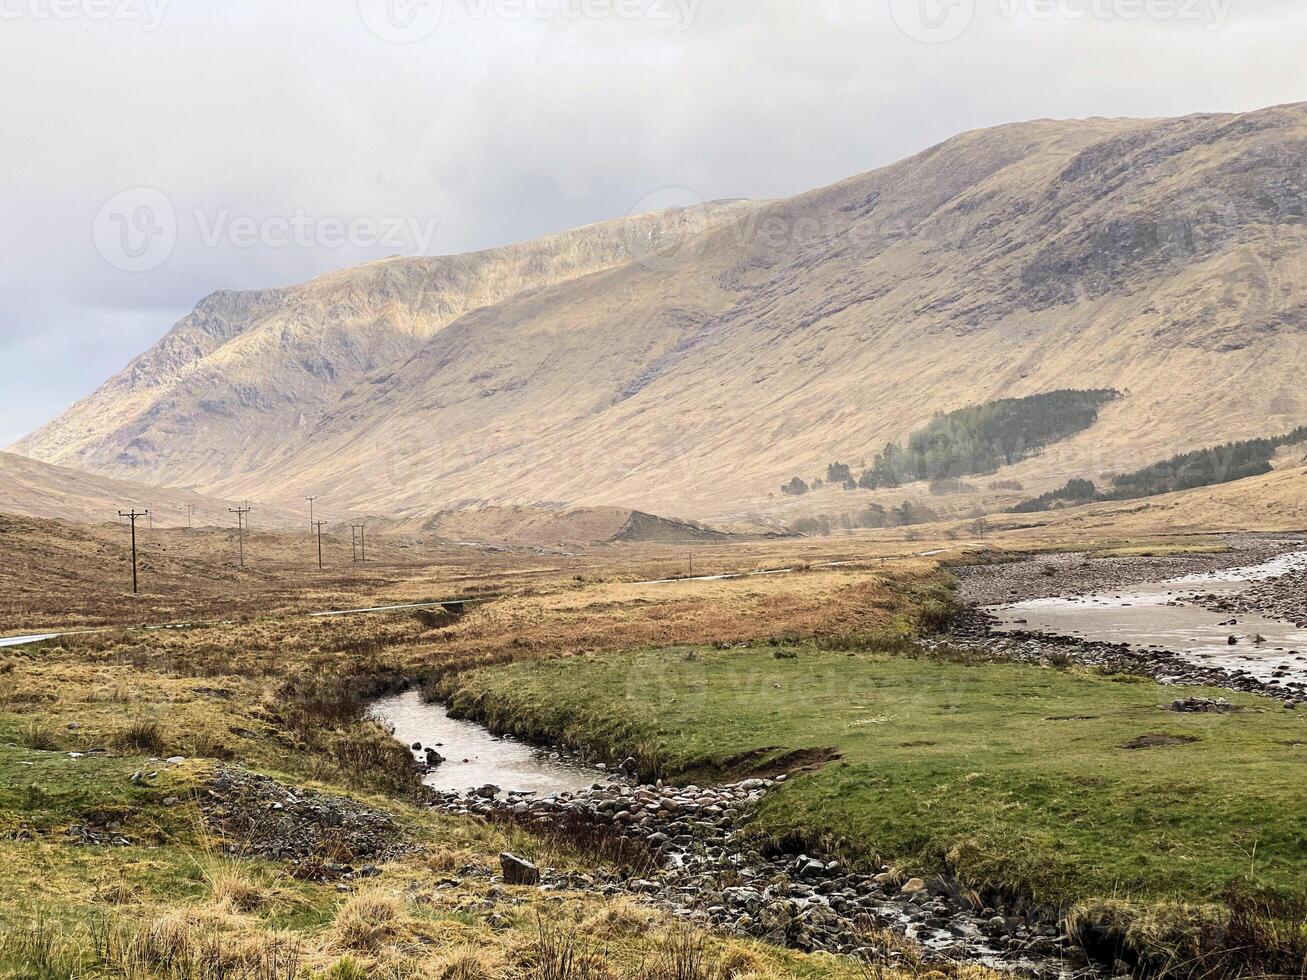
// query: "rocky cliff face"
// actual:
[[1164, 258]]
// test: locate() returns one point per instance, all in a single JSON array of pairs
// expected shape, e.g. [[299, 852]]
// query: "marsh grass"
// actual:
[[143, 736], [38, 734], [34, 945]]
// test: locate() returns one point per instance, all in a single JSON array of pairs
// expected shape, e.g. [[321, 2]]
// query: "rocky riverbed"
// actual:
[[1045, 576], [1283, 597], [1152, 615], [974, 628], [706, 867]]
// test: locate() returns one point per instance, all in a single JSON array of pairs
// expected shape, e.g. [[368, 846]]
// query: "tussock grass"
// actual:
[[143, 737], [368, 919], [38, 734]]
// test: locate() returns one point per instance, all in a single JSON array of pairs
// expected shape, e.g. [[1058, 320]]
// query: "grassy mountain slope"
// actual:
[[1163, 258]]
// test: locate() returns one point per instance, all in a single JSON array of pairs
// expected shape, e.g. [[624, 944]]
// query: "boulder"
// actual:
[[518, 871]]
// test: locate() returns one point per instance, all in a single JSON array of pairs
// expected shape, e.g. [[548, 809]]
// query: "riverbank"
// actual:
[[1059, 782]]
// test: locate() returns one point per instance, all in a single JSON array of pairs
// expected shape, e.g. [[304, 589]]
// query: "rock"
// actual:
[[487, 792], [434, 759], [1218, 705], [912, 886], [518, 871]]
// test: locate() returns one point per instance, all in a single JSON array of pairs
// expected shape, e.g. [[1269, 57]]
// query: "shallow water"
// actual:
[[18, 641], [1140, 616], [475, 757]]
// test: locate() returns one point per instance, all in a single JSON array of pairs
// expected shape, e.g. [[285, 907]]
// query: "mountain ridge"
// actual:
[[1162, 257]]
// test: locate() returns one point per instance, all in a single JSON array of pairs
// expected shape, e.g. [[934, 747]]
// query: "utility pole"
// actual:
[[132, 515], [311, 523], [318, 526], [357, 543], [240, 513], [190, 515], [692, 564]]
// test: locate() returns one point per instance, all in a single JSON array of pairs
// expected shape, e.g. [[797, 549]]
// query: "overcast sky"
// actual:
[[153, 151]]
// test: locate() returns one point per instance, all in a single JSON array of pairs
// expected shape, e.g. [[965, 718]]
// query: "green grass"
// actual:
[[1010, 774]]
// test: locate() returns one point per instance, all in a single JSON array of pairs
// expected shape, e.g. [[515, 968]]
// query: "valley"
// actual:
[[902, 580], [902, 752]]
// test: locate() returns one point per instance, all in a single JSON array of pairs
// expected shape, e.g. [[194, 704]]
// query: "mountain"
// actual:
[[30, 488], [691, 362], [247, 374]]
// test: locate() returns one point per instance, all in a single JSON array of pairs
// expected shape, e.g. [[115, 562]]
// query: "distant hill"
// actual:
[[552, 527], [691, 362], [33, 489]]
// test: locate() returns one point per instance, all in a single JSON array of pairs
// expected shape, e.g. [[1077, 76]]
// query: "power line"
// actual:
[[240, 513], [132, 515], [318, 525]]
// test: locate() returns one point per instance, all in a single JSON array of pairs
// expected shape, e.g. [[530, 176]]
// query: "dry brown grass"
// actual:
[[368, 919]]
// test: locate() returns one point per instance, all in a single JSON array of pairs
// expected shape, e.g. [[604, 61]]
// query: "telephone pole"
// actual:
[[358, 544], [318, 526], [132, 515], [312, 525], [240, 513], [190, 515]]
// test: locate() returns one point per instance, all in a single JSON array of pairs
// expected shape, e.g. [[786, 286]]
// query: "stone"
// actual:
[[912, 886], [518, 871]]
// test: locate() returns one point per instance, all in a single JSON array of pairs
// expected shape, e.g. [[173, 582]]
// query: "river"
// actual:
[[1156, 616]]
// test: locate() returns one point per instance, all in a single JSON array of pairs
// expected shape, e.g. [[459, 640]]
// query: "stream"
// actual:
[[474, 757], [1156, 616]]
